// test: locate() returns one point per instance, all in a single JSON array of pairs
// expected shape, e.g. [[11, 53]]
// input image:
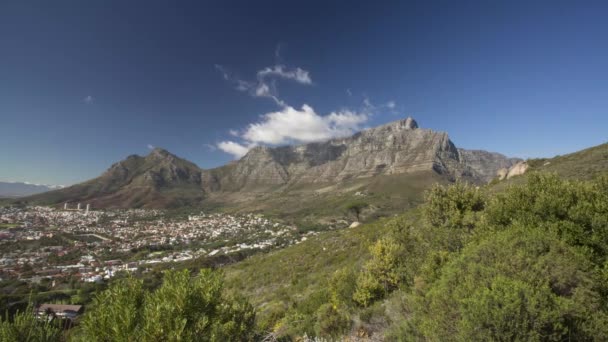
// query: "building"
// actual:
[[59, 310]]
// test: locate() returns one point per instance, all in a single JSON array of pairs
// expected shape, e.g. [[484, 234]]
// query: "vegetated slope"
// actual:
[[582, 165], [523, 264], [298, 276]]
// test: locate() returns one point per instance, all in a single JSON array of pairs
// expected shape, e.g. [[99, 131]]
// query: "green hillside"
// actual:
[[543, 242], [584, 164]]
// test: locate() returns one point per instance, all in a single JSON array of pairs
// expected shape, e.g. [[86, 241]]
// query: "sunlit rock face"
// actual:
[[395, 148]]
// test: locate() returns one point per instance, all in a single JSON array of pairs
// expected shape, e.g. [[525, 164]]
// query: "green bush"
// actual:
[[342, 286], [577, 211], [382, 273], [332, 321], [520, 284], [458, 206]]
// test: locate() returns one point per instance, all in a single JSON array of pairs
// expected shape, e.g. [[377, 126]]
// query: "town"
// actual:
[[38, 243]]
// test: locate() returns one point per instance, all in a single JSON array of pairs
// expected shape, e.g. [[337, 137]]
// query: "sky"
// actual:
[[83, 84]]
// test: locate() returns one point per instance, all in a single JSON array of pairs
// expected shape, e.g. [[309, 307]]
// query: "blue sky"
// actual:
[[84, 84]]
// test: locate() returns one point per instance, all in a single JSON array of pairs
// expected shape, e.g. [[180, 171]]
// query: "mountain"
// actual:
[[20, 189], [396, 158], [157, 180], [396, 148]]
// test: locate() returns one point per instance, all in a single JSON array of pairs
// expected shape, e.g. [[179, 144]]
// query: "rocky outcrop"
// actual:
[[516, 170], [486, 165]]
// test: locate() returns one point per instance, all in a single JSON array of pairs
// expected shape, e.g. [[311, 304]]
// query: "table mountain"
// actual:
[[396, 148]]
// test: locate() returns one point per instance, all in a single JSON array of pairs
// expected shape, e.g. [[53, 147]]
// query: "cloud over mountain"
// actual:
[[291, 125]]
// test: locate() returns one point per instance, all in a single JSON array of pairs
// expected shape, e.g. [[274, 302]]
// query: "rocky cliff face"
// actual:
[[486, 165], [394, 148]]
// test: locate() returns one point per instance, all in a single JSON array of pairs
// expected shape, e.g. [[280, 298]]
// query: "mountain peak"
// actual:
[[410, 123], [160, 153]]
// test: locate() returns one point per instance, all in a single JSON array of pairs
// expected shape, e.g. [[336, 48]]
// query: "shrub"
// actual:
[[520, 284], [181, 309], [457, 206], [332, 321], [382, 273]]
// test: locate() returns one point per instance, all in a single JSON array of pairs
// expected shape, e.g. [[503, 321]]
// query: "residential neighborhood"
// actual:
[[94, 245]]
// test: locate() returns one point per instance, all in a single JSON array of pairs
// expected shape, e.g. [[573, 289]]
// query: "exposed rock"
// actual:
[[486, 165], [517, 169], [355, 224], [410, 123], [502, 173]]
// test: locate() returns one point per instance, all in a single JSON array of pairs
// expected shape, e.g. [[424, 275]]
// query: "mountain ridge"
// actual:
[[162, 179]]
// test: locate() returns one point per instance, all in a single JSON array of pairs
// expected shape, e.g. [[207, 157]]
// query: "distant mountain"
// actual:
[[158, 180], [20, 189], [396, 157]]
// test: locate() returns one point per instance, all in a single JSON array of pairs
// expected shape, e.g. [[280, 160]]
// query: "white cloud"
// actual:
[[150, 146], [299, 75], [265, 84], [88, 99], [234, 148], [290, 125], [234, 132], [391, 104]]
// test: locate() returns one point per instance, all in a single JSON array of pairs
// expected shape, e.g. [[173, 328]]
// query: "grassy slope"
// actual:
[[386, 194], [294, 274], [585, 164]]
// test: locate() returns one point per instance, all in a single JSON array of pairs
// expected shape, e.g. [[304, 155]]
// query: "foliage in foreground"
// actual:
[[530, 263], [24, 326], [182, 309]]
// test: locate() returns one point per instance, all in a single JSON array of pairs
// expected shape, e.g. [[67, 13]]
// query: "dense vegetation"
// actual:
[[183, 308], [527, 263]]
